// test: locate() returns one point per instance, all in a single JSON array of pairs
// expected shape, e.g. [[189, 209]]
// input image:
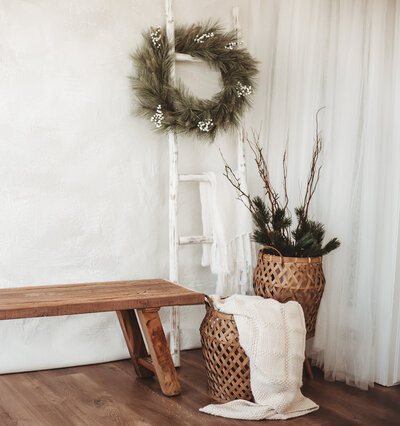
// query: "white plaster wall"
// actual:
[[83, 182]]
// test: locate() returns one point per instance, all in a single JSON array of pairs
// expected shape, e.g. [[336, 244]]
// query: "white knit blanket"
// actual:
[[273, 337]]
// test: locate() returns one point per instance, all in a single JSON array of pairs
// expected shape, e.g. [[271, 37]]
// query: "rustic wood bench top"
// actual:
[[68, 299], [146, 296]]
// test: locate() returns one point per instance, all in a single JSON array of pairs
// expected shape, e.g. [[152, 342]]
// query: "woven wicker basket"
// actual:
[[291, 278], [227, 365]]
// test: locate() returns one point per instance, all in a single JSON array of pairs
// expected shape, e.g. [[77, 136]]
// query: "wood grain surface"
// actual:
[[110, 394], [134, 341], [68, 299], [159, 351]]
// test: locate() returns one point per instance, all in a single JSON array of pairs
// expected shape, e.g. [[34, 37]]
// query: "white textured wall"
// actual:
[[83, 183]]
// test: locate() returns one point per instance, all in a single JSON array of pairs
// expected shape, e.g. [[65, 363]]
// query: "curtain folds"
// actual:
[[344, 55]]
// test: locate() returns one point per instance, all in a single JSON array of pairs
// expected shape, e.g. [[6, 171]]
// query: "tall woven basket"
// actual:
[[291, 278], [227, 365]]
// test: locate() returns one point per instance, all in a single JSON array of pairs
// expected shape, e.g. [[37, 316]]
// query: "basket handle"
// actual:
[[209, 300], [273, 248]]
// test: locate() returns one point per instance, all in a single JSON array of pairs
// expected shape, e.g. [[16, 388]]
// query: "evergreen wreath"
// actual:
[[171, 106]]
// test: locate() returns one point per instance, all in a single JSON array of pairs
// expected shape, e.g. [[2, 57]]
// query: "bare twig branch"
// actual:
[[314, 175], [262, 167], [284, 165], [235, 182]]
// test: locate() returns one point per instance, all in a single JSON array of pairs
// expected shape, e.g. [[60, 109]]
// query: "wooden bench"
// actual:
[[146, 296]]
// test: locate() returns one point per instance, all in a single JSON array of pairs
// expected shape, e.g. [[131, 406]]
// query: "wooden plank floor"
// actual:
[[110, 394]]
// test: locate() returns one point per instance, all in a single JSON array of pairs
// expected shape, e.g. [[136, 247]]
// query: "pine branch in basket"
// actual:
[[272, 220]]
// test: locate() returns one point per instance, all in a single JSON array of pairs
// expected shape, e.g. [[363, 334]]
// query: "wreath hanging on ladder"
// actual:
[[171, 106]]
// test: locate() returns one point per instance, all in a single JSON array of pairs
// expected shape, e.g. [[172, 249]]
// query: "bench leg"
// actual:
[[159, 351], [308, 368], [134, 341]]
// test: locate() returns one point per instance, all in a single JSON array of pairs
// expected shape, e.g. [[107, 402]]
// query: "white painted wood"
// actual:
[[241, 153], [173, 203], [173, 206], [240, 149], [193, 178], [174, 177], [236, 22], [200, 239], [183, 57], [173, 245], [241, 165]]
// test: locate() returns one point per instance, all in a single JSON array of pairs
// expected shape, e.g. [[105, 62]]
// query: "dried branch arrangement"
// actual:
[[272, 218]]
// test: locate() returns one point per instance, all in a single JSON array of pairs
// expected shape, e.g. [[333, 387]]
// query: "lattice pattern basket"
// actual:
[[227, 365], [291, 278]]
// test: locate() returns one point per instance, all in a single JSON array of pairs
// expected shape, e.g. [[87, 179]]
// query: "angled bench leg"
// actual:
[[159, 351], [134, 341], [308, 368]]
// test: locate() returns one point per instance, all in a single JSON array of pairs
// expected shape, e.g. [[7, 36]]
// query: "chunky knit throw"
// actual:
[[273, 337]]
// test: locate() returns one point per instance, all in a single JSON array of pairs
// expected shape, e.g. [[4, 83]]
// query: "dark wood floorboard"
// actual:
[[110, 394]]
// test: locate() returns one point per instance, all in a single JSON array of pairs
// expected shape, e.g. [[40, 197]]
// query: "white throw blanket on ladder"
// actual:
[[231, 254], [273, 337]]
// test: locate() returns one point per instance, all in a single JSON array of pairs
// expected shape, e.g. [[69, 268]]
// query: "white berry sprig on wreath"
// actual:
[[158, 117], [243, 90], [167, 106], [203, 37], [233, 44], [206, 125], [156, 37]]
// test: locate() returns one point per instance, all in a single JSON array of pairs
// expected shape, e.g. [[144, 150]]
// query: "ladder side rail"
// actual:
[[173, 202], [241, 141]]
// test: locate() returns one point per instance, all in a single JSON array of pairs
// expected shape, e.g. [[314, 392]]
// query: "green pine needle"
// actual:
[[181, 110]]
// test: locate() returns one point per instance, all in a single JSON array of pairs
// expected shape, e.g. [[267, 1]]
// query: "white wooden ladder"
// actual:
[[174, 178]]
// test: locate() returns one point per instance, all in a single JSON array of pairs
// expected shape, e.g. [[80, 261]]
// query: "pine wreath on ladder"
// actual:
[[171, 106]]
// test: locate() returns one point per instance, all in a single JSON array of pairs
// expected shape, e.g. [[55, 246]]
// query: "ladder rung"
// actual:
[[183, 57], [201, 239], [193, 178]]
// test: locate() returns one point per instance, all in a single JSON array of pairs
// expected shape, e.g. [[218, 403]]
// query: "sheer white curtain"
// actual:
[[344, 55]]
